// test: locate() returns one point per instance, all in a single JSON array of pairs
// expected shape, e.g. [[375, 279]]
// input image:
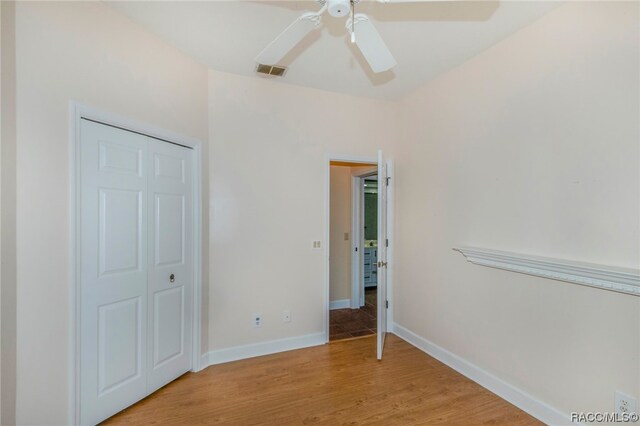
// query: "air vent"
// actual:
[[271, 70]]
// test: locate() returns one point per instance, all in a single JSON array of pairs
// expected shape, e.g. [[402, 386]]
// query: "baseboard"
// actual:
[[204, 362], [504, 390], [264, 348], [340, 304]]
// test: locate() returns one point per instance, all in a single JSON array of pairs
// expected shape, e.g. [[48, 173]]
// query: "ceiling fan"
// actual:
[[358, 25]]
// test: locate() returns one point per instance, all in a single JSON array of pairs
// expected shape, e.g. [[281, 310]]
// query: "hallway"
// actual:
[[348, 323]]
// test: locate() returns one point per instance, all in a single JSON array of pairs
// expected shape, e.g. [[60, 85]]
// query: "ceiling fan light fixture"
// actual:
[[338, 8], [368, 40]]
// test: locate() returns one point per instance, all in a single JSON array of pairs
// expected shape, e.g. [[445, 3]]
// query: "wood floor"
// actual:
[[336, 384]]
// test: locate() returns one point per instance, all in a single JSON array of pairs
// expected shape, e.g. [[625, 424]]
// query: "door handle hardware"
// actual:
[[172, 278]]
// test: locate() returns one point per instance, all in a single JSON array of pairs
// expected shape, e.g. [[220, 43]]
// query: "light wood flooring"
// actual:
[[335, 384]]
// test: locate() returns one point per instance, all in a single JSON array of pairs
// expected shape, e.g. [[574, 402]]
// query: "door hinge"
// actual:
[[386, 302], [388, 179], [386, 242], [356, 248]]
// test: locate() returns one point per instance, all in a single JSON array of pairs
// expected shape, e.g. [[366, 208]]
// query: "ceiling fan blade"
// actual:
[[371, 45], [287, 40]]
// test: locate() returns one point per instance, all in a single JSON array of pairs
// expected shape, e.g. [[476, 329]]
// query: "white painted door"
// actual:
[[382, 252], [113, 270], [169, 262], [133, 329]]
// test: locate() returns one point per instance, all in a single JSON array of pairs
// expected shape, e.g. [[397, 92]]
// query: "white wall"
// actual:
[[269, 145], [82, 51], [532, 147]]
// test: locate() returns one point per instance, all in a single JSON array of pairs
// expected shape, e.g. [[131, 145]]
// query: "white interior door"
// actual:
[[382, 252], [361, 241], [170, 265], [136, 231], [113, 271]]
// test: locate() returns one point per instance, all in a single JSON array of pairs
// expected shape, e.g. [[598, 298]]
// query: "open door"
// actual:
[[382, 252]]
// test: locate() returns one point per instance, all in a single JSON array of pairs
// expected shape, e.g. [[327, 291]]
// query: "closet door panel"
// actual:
[[170, 263], [113, 270]]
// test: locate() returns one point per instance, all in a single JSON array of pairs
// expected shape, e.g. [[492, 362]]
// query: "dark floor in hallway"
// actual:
[[348, 323]]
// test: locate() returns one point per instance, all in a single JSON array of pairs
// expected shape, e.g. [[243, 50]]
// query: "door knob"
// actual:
[[172, 278]]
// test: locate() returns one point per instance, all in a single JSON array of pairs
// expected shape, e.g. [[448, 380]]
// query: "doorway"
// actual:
[[353, 312], [338, 238]]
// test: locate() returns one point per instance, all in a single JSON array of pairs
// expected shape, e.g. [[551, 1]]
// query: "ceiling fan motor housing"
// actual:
[[338, 8]]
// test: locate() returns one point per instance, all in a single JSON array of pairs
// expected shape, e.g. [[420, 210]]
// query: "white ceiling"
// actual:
[[425, 38]]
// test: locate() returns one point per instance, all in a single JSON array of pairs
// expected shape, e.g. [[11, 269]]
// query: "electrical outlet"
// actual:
[[257, 320], [346, 236], [286, 316], [625, 404], [317, 245]]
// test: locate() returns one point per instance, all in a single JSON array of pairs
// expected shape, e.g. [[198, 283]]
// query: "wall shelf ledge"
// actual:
[[613, 278]]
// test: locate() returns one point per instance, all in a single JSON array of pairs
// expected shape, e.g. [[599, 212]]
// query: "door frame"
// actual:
[[78, 111], [327, 232], [357, 231]]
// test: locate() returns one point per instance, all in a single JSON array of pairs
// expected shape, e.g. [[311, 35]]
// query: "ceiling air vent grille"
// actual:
[[271, 70]]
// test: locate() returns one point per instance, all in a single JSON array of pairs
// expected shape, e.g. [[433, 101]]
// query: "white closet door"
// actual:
[[136, 267], [113, 270], [170, 263]]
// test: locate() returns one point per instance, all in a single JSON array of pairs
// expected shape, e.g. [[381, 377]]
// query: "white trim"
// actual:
[[518, 397], [197, 259], [326, 276], [77, 111], [345, 158], [340, 304], [327, 226], [623, 280], [73, 410], [264, 348]]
